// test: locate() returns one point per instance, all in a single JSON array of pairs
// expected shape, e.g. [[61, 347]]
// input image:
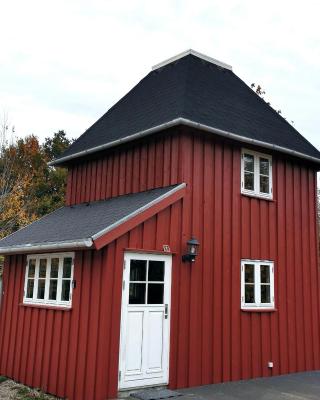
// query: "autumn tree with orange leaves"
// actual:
[[29, 188]]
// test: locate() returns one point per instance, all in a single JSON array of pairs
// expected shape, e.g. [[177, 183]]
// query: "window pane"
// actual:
[[138, 269], [155, 293], [249, 181], [156, 271], [265, 274], [264, 184], [43, 268], [41, 288], [67, 264], [54, 267], [30, 287], [65, 291], [32, 268], [53, 289], [265, 293], [137, 293], [264, 166], [249, 273], [249, 294], [248, 162]]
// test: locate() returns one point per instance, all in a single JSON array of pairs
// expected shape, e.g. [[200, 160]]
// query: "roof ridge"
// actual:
[[193, 53]]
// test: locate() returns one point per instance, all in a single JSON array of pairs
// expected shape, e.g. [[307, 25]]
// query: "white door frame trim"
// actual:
[[167, 258]]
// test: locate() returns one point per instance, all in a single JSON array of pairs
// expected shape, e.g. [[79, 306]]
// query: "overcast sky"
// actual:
[[64, 63]]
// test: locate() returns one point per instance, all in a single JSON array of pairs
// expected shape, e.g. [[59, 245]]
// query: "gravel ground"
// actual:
[[10, 390]]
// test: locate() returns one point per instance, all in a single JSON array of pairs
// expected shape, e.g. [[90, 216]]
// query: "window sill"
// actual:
[[46, 307], [259, 310], [255, 196]]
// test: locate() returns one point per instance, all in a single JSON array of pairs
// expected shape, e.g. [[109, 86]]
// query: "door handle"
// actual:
[[166, 311]]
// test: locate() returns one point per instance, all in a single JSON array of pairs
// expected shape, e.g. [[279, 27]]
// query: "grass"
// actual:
[[21, 392], [25, 393]]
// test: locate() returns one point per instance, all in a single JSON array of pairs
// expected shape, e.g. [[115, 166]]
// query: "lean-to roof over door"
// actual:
[[90, 225]]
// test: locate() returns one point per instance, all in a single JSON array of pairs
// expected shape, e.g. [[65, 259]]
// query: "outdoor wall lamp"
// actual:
[[192, 250]]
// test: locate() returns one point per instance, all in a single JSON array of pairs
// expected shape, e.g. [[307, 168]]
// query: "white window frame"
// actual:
[[55, 303], [257, 284], [256, 192]]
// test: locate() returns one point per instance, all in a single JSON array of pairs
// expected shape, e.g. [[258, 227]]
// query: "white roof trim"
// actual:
[[193, 124], [36, 247], [194, 53], [138, 211]]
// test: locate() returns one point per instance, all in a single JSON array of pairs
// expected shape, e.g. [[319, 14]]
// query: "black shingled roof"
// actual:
[[197, 90], [81, 222]]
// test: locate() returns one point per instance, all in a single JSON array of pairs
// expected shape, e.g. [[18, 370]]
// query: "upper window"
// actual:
[[257, 284], [49, 279], [256, 174]]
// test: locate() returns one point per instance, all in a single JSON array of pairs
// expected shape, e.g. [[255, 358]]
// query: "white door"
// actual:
[[145, 320]]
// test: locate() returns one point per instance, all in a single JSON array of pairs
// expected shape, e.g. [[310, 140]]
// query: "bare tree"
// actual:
[[7, 178], [261, 92]]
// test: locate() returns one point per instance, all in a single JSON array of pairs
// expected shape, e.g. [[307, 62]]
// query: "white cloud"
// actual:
[[64, 63]]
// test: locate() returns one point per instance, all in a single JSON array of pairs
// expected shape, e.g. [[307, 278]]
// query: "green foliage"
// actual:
[[3, 379], [55, 146]]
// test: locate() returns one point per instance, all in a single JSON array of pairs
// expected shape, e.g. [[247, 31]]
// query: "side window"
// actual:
[[257, 284], [256, 174], [48, 279]]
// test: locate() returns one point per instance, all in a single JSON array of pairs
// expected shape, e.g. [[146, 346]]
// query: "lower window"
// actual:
[[48, 279], [257, 284]]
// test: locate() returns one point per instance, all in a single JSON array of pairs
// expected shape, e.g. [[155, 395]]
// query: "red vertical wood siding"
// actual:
[[134, 169], [75, 353]]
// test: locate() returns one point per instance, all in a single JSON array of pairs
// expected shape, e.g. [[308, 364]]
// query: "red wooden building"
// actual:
[[105, 294]]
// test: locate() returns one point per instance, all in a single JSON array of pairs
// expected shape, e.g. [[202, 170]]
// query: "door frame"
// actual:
[[167, 257]]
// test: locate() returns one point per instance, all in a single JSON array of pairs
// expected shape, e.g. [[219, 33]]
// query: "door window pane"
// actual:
[[137, 293], [53, 289], [265, 293], [249, 294], [265, 274], [65, 292], [155, 293], [156, 271], [67, 264], [249, 273], [30, 287], [138, 270]]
